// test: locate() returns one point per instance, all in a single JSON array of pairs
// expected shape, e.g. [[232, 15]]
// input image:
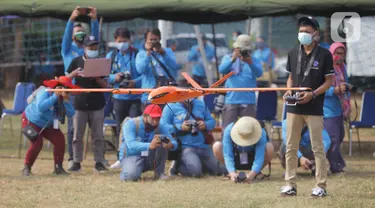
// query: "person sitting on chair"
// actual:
[[142, 149], [305, 153], [41, 116], [244, 147]]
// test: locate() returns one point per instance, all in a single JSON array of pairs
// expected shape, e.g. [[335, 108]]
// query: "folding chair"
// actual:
[[277, 124], [21, 92], [267, 106], [367, 118]]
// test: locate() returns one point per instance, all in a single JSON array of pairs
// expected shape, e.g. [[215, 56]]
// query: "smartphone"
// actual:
[[84, 10]]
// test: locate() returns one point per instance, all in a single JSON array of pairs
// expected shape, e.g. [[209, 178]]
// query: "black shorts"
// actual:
[[250, 159]]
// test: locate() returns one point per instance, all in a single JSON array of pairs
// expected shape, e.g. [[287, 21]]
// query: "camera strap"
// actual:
[[162, 65], [310, 63]]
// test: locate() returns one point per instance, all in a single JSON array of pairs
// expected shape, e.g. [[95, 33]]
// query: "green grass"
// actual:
[[356, 188]]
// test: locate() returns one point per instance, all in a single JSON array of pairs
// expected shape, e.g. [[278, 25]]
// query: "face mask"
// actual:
[[305, 38], [260, 45], [92, 53], [79, 36], [149, 127], [338, 60], [123, 46], [234, 38]]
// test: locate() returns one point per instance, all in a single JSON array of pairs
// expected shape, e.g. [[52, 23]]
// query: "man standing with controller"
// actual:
[[309, 65]]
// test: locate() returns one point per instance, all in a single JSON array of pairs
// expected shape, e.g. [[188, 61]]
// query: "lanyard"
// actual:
[[312, 58]]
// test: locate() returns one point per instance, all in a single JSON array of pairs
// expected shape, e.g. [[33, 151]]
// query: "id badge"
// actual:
[[144, 153], [243, 158], [55, 124]]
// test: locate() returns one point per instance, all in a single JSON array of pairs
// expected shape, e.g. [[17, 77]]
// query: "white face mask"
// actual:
[[92, 53], [122, 46]]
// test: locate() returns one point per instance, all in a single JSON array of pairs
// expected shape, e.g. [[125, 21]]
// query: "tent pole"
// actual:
[[215, 50]]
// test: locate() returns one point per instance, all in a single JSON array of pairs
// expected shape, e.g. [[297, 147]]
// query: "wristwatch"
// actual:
[[313, 95]]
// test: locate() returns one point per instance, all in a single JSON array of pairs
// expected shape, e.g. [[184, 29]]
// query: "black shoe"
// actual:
[[26, 171], [76, 167], [288, 191], [59, 170], [100, 167]]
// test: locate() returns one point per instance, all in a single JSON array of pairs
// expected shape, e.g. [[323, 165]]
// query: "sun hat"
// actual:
[[243, 42], [246, 131]]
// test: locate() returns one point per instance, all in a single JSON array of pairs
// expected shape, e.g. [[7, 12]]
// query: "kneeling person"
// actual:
[[305, 153], [142, 149], [189, 123], [244, 147]]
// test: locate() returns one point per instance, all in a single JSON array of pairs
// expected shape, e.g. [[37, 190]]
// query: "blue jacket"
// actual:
[[123, 63], [246, 78], [332, 104], [305, 140], [42, 109], [136, 142], [176, 114], [264, 56], [195, 55], [145, 66], [259, 148], [69, 49]]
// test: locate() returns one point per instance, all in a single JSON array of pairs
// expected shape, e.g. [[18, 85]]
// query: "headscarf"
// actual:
[[340, 69]]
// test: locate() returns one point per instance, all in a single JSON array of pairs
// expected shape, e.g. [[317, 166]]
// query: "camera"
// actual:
[[312, 168], [156, 44], [219, 103], [241, 177], [194, 127], [125, 80], [245, 53], [164, 139]]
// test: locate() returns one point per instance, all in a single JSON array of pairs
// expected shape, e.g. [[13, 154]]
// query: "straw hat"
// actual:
[[246, 131], [243, 42]]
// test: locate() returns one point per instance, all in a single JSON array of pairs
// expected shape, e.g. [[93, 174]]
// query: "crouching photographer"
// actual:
[[192, 124], [41, 119], [244, 147], [143, 145]]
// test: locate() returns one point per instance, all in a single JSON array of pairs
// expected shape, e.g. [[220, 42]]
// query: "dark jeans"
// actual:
[[70, 132], [126, 108], [336, 131]]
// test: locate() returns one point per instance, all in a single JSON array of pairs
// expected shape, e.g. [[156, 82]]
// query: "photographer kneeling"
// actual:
[[40, 119], [142, 149], [244, 147], [191, 125]]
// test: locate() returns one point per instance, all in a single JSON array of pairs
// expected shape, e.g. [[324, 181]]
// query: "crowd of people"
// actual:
[[150, 134]]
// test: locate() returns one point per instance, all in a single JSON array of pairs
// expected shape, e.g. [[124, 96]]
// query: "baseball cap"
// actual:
[[313, 21], [153, 110], [90, 40], [62, 80]]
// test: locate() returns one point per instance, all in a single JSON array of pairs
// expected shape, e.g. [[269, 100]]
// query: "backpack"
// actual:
[[33, 95], [137, 123]]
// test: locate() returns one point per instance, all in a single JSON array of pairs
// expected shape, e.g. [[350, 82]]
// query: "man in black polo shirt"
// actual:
[[309, 65], [89, 109]]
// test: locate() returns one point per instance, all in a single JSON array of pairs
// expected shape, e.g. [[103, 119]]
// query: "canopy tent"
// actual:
[[189, 11]]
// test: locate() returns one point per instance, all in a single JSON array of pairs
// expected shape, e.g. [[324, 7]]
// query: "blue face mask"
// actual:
[[260, 44], [92, 53], [305, 38], [123, 46]]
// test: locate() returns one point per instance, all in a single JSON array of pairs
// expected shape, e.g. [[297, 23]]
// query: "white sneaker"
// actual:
[[116, 165], [319, 192], [70, 164], [288, 191]]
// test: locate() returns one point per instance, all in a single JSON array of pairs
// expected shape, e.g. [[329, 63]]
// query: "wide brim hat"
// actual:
[[246, 131], [243, 41], [62, 80]]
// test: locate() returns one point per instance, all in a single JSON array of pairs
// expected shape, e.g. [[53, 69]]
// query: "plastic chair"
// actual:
[[209, 101], [21, 92], [277, 124], [367, 118], [267, 106]]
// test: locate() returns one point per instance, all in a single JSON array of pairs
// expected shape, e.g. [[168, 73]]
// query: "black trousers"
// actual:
[[126, 108]]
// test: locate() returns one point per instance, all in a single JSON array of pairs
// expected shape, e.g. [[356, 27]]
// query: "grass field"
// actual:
[[356, 188]]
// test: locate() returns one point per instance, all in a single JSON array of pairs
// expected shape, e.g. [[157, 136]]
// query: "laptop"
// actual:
[[99, 67]]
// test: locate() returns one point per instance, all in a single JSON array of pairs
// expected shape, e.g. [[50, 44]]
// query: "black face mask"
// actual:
[[149, 127]]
